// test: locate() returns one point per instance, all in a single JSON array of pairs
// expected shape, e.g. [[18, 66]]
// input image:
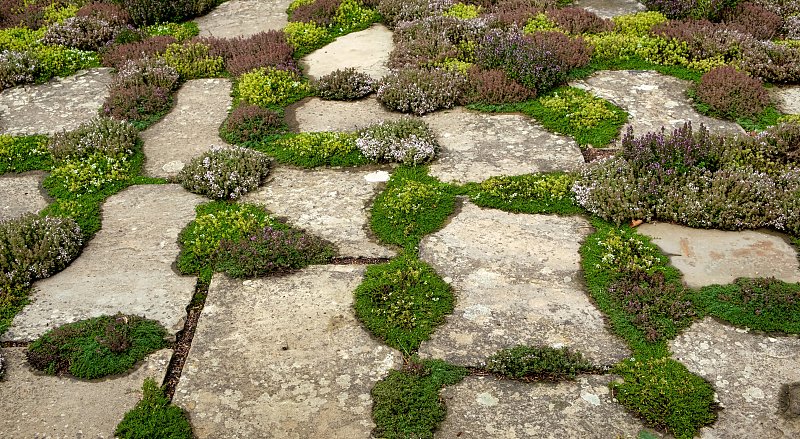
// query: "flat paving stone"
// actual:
[[367, 51], [190, 129], [62, 104], [35, 405], [610, 8], [283, 357], [242, 18], [517, 281], [749, 372], [786, 98], [21, 194], [126, 267], [707, 257], [316, 114], [476, 146], [653, 101], [332, 204], [484, 407]]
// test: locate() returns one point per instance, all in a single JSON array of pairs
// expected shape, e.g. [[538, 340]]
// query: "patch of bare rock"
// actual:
[[242, 18], [21, 194], [366, 51], [316, 114], [283, 357], [610, 8], [787, 98]]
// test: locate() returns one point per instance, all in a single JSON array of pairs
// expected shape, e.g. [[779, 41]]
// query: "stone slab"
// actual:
[[316, 114], [707, 257], [476, 146], [484, 407], [653, 101], [517, 281], [332, 204], [748, 371], [62, 104], [786, 98], [35, 405], [127, 267], [367, 51], [242, 18], [610, 8], [190, 129], [21, 194], [283, 357]]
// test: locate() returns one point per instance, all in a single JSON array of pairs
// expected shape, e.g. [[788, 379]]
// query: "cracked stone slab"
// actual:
[[242, 18], [316, 114], [786, 98], [35, 405], [283, 357], [485, 407], [21, 194], [748, 372], [476, 146], [517, 281], [62, 104], [653, 101], [367, 51], [126, 267], [610, 8], [707, 257], [190, 129], [332, 204]]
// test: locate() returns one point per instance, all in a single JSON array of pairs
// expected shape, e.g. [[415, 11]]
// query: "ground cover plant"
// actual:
[[529, 193], [96, 347], [313, 24], [154, 416], [408, 141], [24, 153], [344, 85], [310, 150], [225, 173], [250, 124], [539, 363], [271, 88]]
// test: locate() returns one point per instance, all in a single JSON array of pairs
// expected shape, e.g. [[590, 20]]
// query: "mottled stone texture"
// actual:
[[787, 98], [21, 194], [610, 8], [315, 114], [236, 18], [366, 51]]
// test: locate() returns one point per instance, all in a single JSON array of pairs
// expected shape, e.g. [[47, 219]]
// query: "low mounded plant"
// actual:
[[530, 193], [539, 363], [17, 67], [494, 87], [101, 135], [310, 150], [251, 123], [193, 61], [146, 71], [344, 85], [142, 90], [154, 417], [576, 21], [225, 173], [264, 49], [305, 37], [421, 91], [119, 54], [269, 87], [732, 94], [23, 153], [408, 141], [179, 31], [112, 13], [83, 33]]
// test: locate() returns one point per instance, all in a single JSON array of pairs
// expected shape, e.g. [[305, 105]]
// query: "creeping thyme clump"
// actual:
[[421, 91], [225, 173], [343, 85], [271, 87], [102, 135], [539, 362], [324, 148], [408, 141]]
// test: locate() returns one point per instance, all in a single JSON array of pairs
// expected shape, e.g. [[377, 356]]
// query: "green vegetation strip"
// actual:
[[530, 193], [154, 417]]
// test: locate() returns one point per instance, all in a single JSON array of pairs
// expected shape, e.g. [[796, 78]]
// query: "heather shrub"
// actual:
[[397, 11], [179, 31], [250, 123], [146, 71], [305, 37], [703, 38], [84, 33], [17, 68], [118, 55], [408, 141], [192, 61], [111, 13], [771, 62], [791, 26], [23, 153], [577, 21], [420, 91], [264, 49], [422, 50], [639, 23], [732, 94], [272, 87], [755, 20], [344, 85], [517, 12], [225, 173], [539, 363], [144, 12], [494, 87], [698, 9], [310, 150], [136, 102], [103, 135]]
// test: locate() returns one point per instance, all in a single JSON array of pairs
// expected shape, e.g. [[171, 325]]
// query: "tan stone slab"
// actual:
[[316, 114], [283, 357], [367, 51], [127, 267], [190, 129], [748, 372], [241, 18], [332, 204], [610, 8], [476, 146], [707, 257], [62, 104], [21, 194], [517, 281], [786, 98], [35, 405]]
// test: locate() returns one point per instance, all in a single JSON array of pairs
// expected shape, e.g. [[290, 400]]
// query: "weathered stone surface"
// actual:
[[190, 129], [787, 98], [332, 204], [610, 8], [747, 371], [653, 100], [316, 114], [126, 267], [236, 18], [516, 279], [476, 146], [283, 357], [707, 257], [42, 406], [59, 105], [484, 407], [21, 194], [366, 51]]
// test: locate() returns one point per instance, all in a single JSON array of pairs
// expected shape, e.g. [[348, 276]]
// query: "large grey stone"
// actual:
[[126, 267], [21, 194], [316, 114], [235, 18], [62, 104], [707, 257], [283, 357], [43, 406], [190, 129], [748, 372], [787, 98], [517, 280], [366, 51], [483, 407], [476, 146], [653, 101], [610, 8], [332, 204]]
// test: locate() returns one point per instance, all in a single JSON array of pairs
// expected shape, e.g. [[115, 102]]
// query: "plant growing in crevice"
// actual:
[[533, 363], [154, 417], [250, 124], [310, 150], [270, 87], [530, 193], [24, 153], [344, 85]]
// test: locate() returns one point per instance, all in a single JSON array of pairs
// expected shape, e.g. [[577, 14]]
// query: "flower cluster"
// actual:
[[107, 136], [225, 173], [346, 84], [83, 33], [408, 141], [421, 91]]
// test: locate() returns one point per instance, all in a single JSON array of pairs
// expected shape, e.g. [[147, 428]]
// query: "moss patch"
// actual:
[[539, 363], [154, 417]]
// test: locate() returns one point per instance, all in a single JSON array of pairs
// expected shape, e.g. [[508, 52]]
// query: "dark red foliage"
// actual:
[[578, 20], [116, 56], [241, 55], [111, 13], [251, 123], [320, 12], [495, 87], [755, 20], [136, 102], [519, 12], [731, 93]]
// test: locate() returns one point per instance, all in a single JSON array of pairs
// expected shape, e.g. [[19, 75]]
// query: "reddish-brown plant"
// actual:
[[117, 55], [731, 93]]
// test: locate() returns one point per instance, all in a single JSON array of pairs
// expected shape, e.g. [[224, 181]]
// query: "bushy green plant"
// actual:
[[225, 173], [193, 61], [540, 22], [23, 153], [463, 11], [344, 85], [305, 37], [154, 417], [589, 119], [625, 252], [180, 31], [351, 15], [539, 363], [530, 193], [96, 347], [402, 302], [296, 4], [639, 23], [269, 87], [406, 140], [91, 173], [100, 135], [248, 124], [310, 150]]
